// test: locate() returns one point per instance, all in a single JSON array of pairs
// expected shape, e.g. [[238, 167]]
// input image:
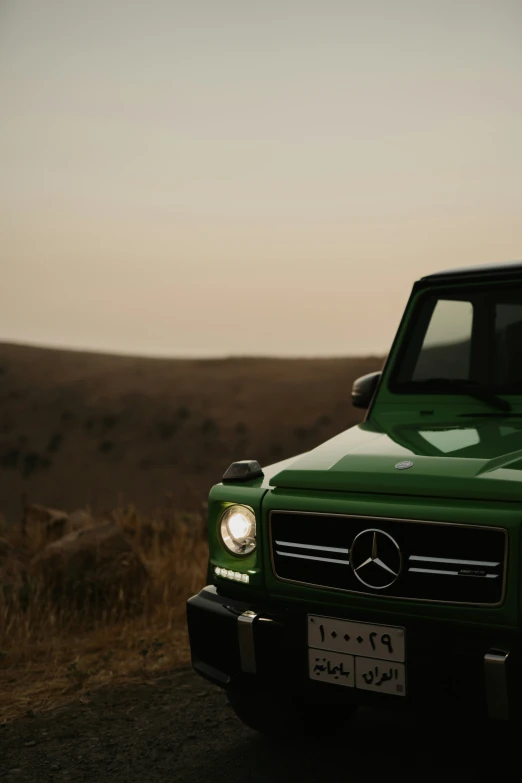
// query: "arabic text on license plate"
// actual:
[[369, 674], [380, 676], [331, 667], [353, 638]]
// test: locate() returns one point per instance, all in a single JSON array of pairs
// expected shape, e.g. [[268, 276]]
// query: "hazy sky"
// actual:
[[214, 177]]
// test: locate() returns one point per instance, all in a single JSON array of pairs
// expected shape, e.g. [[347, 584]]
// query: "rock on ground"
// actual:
[[78, 519], [94, 564], [42, 525]]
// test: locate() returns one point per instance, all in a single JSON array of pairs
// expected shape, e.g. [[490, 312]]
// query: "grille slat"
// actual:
[[449, 563]]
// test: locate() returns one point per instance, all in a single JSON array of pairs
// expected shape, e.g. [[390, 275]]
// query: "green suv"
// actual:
[[383, 567]]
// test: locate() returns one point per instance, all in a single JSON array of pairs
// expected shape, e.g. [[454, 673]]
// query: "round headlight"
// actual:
[[238, 530]]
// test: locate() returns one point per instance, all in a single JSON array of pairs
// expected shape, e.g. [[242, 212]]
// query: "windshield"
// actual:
[[458, 339]]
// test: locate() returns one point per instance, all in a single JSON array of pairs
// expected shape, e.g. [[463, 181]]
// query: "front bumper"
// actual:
[[234, 643]]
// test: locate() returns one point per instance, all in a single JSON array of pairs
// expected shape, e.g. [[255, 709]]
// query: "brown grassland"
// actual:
[[51, 650], [139, 442]]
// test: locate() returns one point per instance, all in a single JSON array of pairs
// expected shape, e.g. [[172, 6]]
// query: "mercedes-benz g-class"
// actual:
[[384, 566]]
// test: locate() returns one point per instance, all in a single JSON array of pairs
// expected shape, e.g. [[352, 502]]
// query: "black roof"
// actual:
[[476, 272]]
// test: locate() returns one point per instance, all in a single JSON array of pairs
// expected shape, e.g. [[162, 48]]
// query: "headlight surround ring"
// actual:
[[237, 529]]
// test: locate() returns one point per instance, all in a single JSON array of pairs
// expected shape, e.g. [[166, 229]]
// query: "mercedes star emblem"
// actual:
[[375, 559], [404, 465]]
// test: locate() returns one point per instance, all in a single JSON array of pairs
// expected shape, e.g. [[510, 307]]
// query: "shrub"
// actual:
[[166, 429], [10, 458], [209, 427], [105, 446], [32, 462], [55, 442]]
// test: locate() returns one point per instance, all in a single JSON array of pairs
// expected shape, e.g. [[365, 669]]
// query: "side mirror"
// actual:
[[364, 388]]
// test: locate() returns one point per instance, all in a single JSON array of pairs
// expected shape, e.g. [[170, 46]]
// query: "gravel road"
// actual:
[[180, 728]]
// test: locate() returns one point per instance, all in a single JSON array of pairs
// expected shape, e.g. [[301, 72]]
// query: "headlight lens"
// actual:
[[238, 530]]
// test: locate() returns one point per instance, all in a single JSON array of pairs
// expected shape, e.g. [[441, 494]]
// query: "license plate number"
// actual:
[[357, 655], [344, 636]]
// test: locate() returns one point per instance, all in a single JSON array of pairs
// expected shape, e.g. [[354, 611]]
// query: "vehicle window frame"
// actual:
[[482, 340]]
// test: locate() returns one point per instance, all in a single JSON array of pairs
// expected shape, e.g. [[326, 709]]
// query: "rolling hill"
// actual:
[[91, 429]]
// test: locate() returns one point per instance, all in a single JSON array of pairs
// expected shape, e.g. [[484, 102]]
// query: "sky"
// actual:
[[231, 177]]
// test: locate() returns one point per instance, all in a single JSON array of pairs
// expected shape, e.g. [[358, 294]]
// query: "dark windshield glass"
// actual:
[[475, 338]]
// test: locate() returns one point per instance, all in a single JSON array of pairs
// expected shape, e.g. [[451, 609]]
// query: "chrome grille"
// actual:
[[416, 560]]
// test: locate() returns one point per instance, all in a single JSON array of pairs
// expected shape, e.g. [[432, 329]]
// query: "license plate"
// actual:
[[357, 655]]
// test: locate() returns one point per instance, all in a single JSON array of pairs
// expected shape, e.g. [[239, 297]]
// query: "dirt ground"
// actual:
[[180, 728]]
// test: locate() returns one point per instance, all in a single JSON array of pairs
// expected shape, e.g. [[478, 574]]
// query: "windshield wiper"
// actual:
[[463, 386]]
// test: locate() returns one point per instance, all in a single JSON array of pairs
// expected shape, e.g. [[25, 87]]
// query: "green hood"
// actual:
[[478, 459]]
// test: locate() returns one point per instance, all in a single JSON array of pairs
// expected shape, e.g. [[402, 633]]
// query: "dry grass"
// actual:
[[50, 652]]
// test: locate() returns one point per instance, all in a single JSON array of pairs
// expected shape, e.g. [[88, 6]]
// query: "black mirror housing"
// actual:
[[364, 388]]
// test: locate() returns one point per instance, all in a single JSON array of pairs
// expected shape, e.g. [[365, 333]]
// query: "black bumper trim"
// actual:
[[445, 664], [211, 673]]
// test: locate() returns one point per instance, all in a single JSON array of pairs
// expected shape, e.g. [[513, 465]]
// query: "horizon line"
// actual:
[[187, 357]]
